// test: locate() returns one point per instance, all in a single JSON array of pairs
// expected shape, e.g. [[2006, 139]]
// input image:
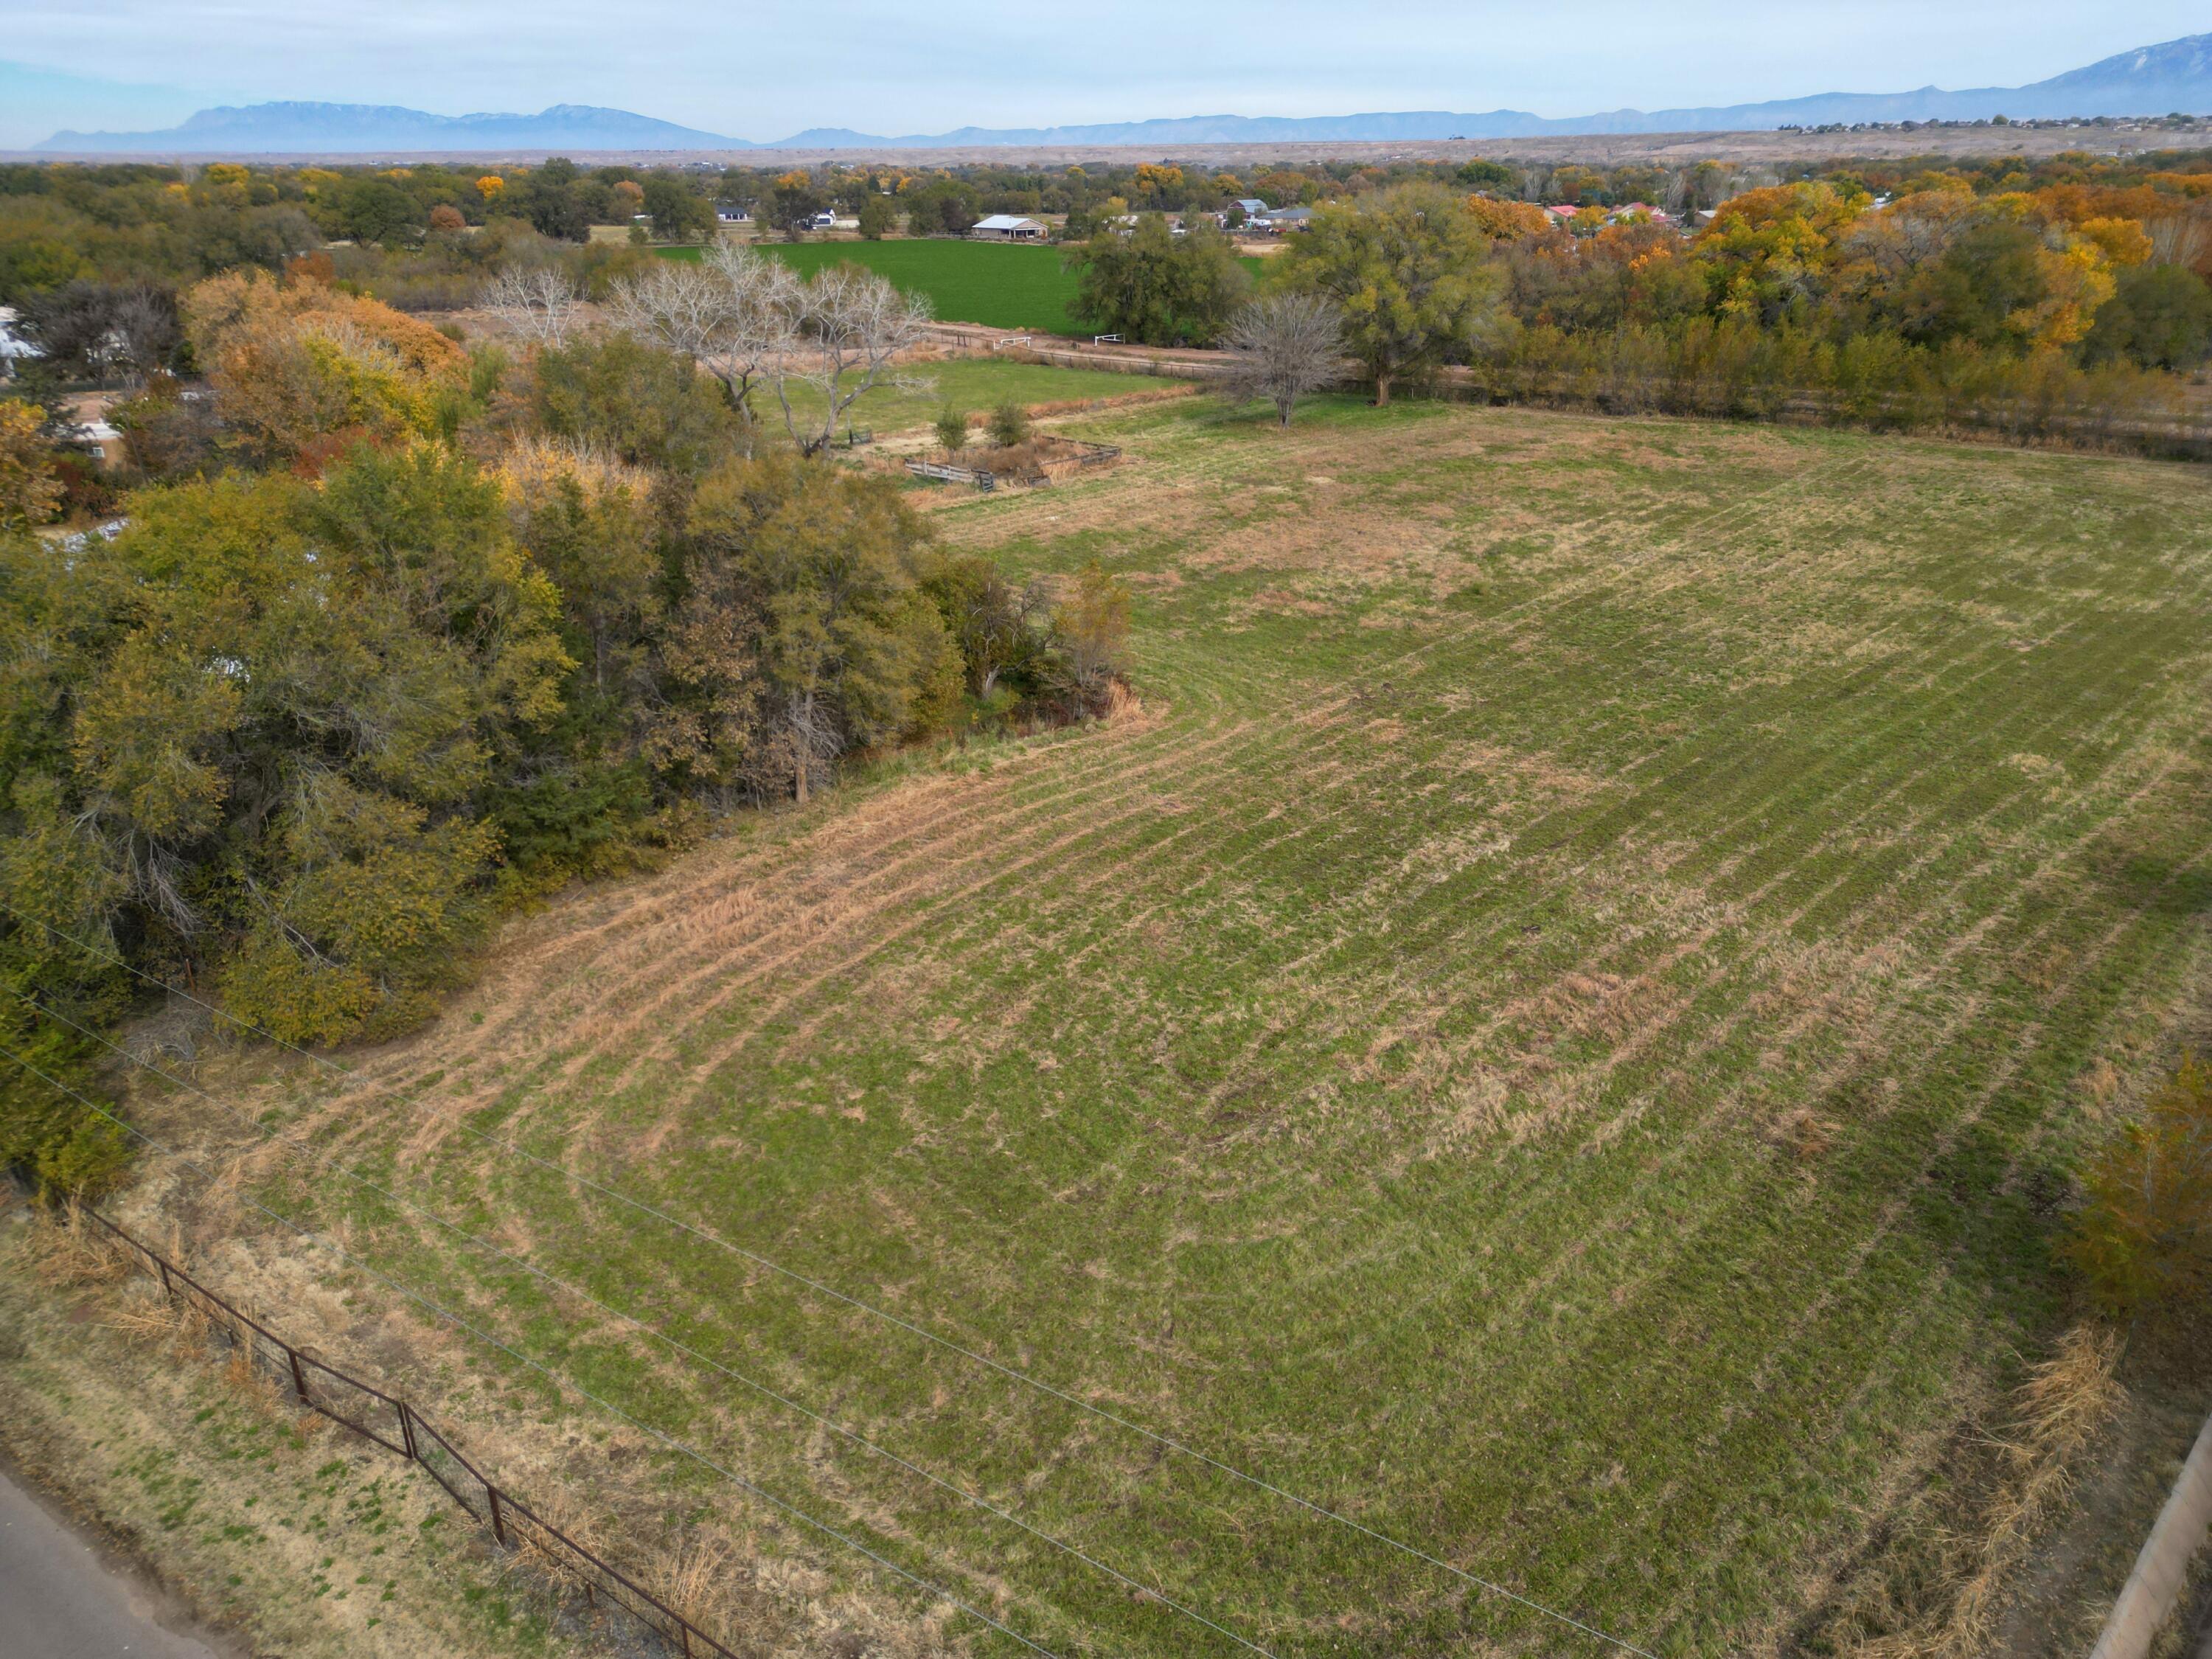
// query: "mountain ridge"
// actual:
[[2171, 76]]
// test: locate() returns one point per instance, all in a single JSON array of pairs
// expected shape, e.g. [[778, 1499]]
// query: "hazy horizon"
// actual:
[[134, 65]]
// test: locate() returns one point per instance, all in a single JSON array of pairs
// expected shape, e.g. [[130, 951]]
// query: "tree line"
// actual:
[[2029, 310], [393, 631]]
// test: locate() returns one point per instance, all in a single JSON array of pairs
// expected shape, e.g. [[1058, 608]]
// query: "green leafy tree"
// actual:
[[2158, 317], [648, 406], [373, 210], [1153, 286], [879, 216], [848, 647], [679, 213], [1090, 639], [1407, 271], [951, 429], [1010, 424], [270, 708]]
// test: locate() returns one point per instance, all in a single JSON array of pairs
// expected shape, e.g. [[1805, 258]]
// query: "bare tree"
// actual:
[[148, 331], [2178, 240], [1282, 347], [537, 305], [763, 326], [847, 327], [750, 321]]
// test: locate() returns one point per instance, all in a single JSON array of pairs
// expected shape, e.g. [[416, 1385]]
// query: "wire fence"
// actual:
[[398, 1427]]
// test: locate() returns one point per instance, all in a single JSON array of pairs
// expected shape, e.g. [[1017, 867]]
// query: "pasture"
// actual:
[[1551, 1036], [1001, 285], [965, 383]]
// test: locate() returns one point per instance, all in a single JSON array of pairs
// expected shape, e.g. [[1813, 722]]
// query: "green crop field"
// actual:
[[1551, 1037], [1002, 285]]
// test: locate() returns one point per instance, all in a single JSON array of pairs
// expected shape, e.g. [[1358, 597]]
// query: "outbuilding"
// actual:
[[1008, 227]]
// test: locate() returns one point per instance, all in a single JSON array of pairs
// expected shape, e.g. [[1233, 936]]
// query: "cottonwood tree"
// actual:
[[749, 321], [1153, 286], [537, 305], [849, 651], [1407, 271], [1282, 347], [847, 329]]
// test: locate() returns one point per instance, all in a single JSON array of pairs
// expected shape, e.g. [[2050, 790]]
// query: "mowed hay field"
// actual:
[[1554, 1033]]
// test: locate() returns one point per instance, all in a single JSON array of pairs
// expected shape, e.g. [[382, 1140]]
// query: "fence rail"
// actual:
[[396, 1426]]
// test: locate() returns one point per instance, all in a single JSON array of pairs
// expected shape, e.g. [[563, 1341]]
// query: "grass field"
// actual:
[[1000, 284], [971, 384], [1555, 1033]]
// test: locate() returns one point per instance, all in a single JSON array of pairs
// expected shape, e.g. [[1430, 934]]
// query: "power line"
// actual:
[[460, 1323], [1166, 1442], [679, 1346]]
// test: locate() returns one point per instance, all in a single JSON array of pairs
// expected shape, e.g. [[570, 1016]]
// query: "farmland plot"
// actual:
[[1539, 1062]]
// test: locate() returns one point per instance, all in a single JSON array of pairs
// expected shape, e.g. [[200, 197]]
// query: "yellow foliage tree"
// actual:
[[2122, 241], [1155, 180], [299, 366], [1507, 222], [29, 491], [491, 186]]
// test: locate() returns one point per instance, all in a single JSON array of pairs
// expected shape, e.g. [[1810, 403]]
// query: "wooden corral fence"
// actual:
[[1088, 454], [399, 1428], [942, 473]]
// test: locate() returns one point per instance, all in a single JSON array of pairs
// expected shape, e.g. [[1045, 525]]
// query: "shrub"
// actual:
[[952, 429], [2145, 1236], [1010, 424]]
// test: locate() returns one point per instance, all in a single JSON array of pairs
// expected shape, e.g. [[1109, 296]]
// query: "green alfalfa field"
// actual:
[[998, 284], [1554, 1031]]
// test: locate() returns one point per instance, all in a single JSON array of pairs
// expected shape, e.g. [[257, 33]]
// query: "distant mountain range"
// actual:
[[381, 128], [2176, 76]]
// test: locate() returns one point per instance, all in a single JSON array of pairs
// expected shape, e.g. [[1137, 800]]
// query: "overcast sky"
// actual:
[[762, 69]]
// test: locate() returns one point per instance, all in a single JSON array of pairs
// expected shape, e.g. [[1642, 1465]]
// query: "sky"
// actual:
[[763, 68]]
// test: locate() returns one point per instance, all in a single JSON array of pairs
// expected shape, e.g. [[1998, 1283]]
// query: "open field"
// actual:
[[965, 383], [1000, 285], [1555, 1035]]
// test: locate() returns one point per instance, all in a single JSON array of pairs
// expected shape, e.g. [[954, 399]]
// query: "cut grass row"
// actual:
[[1549, 1047]]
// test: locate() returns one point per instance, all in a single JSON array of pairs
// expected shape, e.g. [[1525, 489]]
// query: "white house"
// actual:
[[1008, 227]]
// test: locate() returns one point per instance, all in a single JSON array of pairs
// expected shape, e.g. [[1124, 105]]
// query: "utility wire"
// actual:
[[676, 1344], [1166, 1442], [460, 1323]]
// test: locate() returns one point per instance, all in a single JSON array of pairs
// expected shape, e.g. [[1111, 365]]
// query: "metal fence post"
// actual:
[[498, 1531], [299, 1376], [407, 1433], [162, 1268]]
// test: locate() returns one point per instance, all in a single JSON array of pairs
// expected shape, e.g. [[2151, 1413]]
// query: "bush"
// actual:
[[951, 429], [1010, 424], [2144, 1237]]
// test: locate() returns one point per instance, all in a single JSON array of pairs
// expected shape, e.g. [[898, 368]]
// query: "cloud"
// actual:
[[770, 67]]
